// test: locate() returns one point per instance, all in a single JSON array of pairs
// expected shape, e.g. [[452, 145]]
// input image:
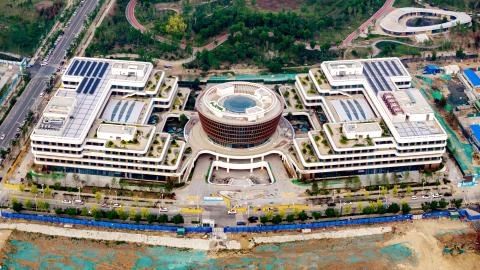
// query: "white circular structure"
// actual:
[[395, 23], [239, 114]]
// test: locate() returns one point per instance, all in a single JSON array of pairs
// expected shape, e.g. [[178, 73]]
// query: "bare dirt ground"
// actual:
[[427, 239], [278, 5]]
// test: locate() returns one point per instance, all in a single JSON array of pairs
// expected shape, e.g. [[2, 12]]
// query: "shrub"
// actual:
[[58, 211], [263, 219], [17, 206], [112, 214], [443, 203], [177, 219], [71, 211], [331, 212], [163, 218], [276, 219], [406, 208], [137, 217], [368, 210], [393, 208], [290, 218], [151, 218], [302, 216], [316, 215]]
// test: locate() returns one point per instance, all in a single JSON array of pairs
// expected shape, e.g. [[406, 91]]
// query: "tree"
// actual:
[[393, 208], [347, 209], [316, 215], [84, 211], [368, 210], [137, 218], [177, 219], [442, 203], [34, 189], [331, 212], [290, 218], [176, 25], [303, 216], [151, 218], [434, 205], [28, 204], [98, 196], [366, 194], [359, 206], [163, 218], [457, 202], [132, 213], [425, 206], [264, 219], [409, 191], [383, 191], [395, 191], [144, 212], [406, 208], [16, 205], [47, 191], [276, 219]]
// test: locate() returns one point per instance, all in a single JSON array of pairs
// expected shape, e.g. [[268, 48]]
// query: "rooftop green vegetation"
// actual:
[[23, 23]]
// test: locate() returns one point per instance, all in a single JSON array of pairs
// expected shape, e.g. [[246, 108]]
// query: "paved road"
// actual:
[[387, 7], [39, 80]]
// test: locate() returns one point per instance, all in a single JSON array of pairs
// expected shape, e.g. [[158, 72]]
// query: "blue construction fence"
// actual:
[[316, 225], [105, 224]]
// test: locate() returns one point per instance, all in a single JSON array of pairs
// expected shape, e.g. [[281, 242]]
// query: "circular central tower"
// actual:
[[239, 114]]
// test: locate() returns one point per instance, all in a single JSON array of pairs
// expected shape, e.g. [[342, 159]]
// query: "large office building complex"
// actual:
[[97, 123], [376, 122]]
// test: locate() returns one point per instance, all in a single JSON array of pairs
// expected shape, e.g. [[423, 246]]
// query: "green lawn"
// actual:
[[24, 22]]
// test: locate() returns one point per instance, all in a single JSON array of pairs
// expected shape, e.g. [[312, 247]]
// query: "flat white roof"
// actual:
[[96, 80]]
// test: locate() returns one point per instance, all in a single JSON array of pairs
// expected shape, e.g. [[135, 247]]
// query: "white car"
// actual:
[[2, 137], [232, 211], [67, 202], [345, 203], [117, 205], [436, 195], [426, 196], [163, 209], [414, 197], [77, 201]]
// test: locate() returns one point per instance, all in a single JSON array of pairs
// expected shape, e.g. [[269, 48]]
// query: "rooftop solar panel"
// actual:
[[94, 86], [85, 68], [97, 69], [90, 70], [349, 115], [395, 66], [392, 71], [87, 87], [104, 68], [353, 109], [115, 110], [81, 85], [122, 111], [72, 67], [360, 109], [382, 67], [129, 112], [80, 66]]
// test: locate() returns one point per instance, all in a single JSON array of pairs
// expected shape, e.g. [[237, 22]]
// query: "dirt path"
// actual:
[[4, 235]]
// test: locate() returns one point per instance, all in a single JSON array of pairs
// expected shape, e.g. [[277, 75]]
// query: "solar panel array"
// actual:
[[353, 110], [91, 71], [377, 72]]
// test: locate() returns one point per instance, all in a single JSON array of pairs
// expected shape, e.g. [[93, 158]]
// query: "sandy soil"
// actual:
[[423, 238], [4, 236]]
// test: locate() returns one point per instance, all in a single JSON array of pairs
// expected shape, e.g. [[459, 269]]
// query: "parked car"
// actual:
[[67, 201], [117, 205], [425, 196], [232, 211], [252, 219], [331, 204], [436, 195], [163, 209], [414, 197], [78, 201], [241, 223], [2, 137]]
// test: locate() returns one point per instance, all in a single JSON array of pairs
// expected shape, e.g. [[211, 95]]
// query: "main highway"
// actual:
[[39, 81]]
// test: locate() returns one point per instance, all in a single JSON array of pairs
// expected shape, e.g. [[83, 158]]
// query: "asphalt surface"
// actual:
[[38, 82]]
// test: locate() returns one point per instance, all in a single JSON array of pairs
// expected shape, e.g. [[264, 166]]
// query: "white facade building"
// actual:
[[375, 121], [96, 123]]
